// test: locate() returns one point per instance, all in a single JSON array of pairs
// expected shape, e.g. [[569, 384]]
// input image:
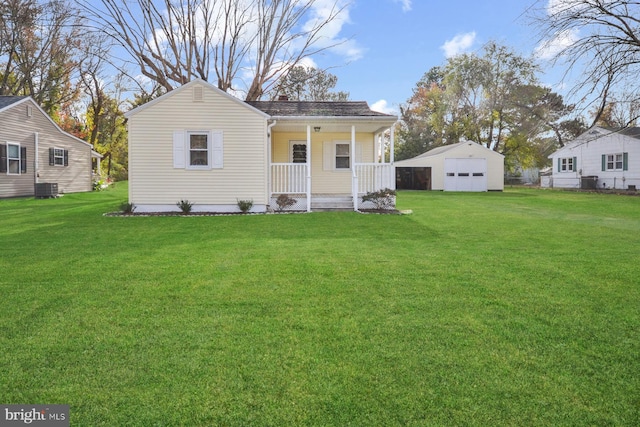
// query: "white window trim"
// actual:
[[615, 161], [329, 153], [10, 159], [188, 150], [182, 149], [56, 156], [335, 155], [564, 165]]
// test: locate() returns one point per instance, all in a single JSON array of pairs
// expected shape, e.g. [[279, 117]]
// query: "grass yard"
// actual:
[[515, 308]]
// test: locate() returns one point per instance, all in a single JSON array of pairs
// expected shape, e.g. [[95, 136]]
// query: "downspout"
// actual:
[[35, 158], [269, 160]]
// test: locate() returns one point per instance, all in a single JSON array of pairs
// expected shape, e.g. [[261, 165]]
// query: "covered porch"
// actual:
[[328, 163]]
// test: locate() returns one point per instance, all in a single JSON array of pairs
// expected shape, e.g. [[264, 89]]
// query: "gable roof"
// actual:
[[631, 134], [446, 148], [7, 101], [317, 109], [184, 87]]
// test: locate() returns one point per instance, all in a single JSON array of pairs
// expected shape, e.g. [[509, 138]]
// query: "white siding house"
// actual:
[[465, 166], [34, 150], [202, 145], [599, 158]]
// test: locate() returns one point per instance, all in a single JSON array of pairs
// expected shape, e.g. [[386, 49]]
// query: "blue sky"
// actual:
[[393, 43]]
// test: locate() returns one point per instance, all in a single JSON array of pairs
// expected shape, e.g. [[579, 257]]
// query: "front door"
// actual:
[[298, 174], [298, 151]]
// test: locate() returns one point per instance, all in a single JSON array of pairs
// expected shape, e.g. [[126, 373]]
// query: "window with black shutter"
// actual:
[[58, 157], [23, 159]]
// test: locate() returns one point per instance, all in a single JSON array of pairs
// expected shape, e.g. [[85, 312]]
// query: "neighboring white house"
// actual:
[[599, 158], [202, 145], [35, 152], [465, 166]]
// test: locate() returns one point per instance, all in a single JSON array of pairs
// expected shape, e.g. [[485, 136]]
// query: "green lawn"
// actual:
[[515, 308]]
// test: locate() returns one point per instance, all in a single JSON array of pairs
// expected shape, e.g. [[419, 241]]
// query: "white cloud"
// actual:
[[383, 106], [459, 44], [406, 4], [550, 48], [329, 35]]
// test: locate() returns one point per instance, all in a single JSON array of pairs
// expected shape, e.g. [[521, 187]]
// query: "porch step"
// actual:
[[331, 203]]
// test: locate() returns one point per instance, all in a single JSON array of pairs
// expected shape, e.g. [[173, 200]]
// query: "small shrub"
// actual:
[[283, 201], [127, 208], [382, 199], [185, 206], [245, 205]]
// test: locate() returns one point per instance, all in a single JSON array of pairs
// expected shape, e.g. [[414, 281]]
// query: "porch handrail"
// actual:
[[374, 177], [288, 178]]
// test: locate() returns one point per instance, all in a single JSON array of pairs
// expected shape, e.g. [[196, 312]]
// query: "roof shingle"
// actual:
[[6, 101], [317, 108]]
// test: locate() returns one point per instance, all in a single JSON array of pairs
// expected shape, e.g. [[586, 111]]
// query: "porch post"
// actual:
[[269, 161], [354, 182], [308, 168], [392, 144], [392, 171]]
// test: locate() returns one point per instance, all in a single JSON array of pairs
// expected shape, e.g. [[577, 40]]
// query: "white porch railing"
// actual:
[[288, 178], [374, 177]]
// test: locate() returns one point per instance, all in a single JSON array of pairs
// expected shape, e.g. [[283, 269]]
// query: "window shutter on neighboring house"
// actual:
[[3, 158], [217, 149], [66, 157], [559, 165], [52, 157], [604, 162], [179, 161], [23, 159], [575, 164], [625, 161]]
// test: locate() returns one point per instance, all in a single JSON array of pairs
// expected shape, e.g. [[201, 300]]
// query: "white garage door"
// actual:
[[465, 174]]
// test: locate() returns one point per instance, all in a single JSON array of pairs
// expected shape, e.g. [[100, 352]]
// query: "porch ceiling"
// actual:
[[337, 125]]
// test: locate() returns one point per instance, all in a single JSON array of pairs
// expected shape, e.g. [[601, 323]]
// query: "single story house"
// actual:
[[199, 144], [601, 157], [465, 166], [36, 156]]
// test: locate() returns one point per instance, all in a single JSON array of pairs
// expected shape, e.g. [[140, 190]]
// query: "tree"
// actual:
[[40, 49], [308, 84], [599, 37], [493, 99], [174, 41]]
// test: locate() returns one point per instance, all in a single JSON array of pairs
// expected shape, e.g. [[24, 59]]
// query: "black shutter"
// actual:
[[52, 157], [23, 159], [3, 158], [66, 157]]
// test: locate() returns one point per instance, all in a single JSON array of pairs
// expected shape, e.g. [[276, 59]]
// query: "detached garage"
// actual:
[[465, 166]]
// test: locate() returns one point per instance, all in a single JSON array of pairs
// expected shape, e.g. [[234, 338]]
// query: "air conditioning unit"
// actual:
[[46, 189]]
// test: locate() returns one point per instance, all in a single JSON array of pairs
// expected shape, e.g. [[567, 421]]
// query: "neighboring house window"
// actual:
[[58, 157], [197, 150], [615, 162], [567, 164], [13, 159]]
